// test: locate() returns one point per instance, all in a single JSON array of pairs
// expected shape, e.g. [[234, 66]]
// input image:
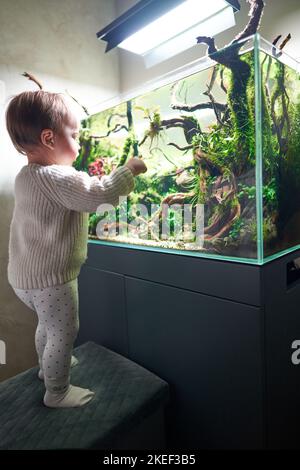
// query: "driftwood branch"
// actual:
[[163, 153], [76, 101], [286, 40], [117, 128], [213, 102], [212, 79], [38, 83], [33, 79], [210, 42], [113, 116], [282, 45], [182, 149], [269, 58], [228, 56], [175, 104], [222, 80], [189, 125], [255, 13], [144, 139]]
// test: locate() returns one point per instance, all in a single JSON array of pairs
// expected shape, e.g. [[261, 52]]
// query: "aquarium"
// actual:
[[221, 141]]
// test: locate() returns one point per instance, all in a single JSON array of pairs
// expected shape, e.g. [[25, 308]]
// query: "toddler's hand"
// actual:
[[136, 165]]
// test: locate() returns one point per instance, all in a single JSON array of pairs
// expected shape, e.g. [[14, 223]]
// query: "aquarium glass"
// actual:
[[280, 135], [219, 138]]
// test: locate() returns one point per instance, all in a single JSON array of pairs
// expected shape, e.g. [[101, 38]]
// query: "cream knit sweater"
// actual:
[[49, 228]]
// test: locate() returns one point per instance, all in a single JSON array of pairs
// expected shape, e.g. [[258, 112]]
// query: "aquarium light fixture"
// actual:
[[170, 24], [211, 26]]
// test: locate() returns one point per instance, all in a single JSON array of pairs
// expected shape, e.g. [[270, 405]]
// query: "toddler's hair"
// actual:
[[30, 112]]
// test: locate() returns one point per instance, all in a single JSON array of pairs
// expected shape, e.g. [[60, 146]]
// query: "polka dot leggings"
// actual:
[[58, 325]]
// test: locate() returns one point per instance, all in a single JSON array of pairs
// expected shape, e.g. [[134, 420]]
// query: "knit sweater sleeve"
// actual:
[[78, 191]]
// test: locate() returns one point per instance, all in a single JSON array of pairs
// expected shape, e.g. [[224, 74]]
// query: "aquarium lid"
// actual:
[[153, 14]]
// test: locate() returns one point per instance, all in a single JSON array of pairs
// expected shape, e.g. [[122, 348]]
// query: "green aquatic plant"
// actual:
[[269, 229], [292, 160], [236, 229], [164, 183], [126, 150], [247, 191], [154, 129], [93, 221], [241, 86], [91, 148], [270, 194], [289, 173]]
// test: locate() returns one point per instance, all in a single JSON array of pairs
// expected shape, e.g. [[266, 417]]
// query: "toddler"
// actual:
[[49, 230]]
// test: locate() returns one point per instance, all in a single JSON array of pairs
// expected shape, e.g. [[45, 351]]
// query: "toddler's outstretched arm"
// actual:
[[78, 191]]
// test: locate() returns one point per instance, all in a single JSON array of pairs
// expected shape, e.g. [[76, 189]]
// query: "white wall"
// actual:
[[55, 40], [280, 17]]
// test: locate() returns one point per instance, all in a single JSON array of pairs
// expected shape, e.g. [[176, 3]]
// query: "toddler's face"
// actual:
[[66, 144]]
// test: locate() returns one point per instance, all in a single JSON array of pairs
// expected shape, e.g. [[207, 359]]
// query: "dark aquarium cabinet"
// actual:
[[224, 335], [196, 275]]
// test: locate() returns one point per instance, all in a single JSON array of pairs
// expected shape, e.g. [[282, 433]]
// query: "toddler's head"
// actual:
[[44, 126]]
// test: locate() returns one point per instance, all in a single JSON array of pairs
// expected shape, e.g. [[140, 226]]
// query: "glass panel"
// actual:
[[196, 132], [281, 151], [258, 148]]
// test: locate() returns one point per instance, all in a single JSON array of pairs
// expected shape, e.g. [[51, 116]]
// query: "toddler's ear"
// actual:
[[47, 138]]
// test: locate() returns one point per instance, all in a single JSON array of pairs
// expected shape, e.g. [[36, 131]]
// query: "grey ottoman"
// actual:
[[127, 411]]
